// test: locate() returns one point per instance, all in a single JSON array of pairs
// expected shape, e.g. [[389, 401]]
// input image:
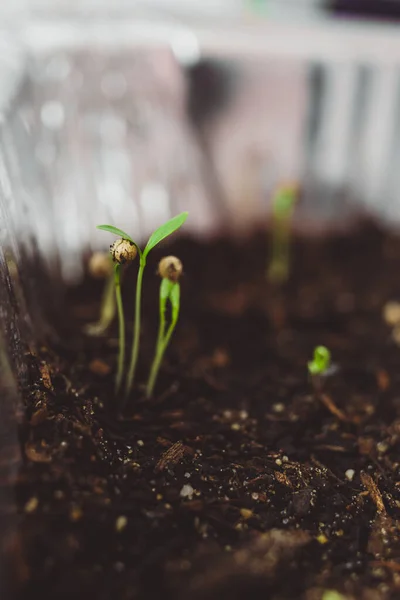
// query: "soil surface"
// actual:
[[240, 479]]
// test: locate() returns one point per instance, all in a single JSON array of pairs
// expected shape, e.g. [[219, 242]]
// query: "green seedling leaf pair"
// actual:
[[321, 362], [156, 237]]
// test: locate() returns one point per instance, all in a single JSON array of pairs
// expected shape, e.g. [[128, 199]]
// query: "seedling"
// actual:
[[321, 362], [156, 237], [122, 251], [283, 205], [320, 368], [170, 269], [101, 267]]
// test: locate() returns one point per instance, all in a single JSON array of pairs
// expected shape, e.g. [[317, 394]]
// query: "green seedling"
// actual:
[[156, 237], [333, 595], [320, 368], [123, 251], [170, 269], [101, 267], [321, 362], [283, 205]]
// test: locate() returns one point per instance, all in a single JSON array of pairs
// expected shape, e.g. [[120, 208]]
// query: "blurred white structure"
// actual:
[[96, 127]]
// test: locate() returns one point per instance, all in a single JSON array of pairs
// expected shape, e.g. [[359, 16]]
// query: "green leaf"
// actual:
[[164, 231], [321, 361], [117, 232]]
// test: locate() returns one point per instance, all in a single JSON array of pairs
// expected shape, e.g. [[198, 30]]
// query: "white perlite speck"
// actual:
[[350, 474], [187, 491]]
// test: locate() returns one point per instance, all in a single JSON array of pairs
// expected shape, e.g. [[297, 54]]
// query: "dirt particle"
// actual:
[[382, 447], [31, 505], [99, 367], [391, 313], [322, 539], [76, 513], [45, 373], [220, 358], [171, 456], [373, 491], [35, 455], [121, 523]]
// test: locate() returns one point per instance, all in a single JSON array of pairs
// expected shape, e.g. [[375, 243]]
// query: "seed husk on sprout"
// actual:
[[123, 251], [170, 267]]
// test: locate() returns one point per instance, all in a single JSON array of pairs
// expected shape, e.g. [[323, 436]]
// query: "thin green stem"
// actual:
[[107, 309], [155, 367], [158, 354], [136, 333], [121, 321], [278, 270], [162, 343]]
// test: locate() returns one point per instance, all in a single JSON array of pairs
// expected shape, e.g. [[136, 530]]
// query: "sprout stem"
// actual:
[[278, 270], [136, 333], [121, 322], [164, 339], [282, 210], [107, 309]]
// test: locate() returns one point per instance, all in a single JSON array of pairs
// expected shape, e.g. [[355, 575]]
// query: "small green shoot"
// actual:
[[333, 595], [101, 267], [321, 361], [170, 269], [283, 205], [156, 237], [122, 251]]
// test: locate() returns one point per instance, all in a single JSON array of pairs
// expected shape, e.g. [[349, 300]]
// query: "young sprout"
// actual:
[[100, 267], [320, 368], [122, 252], [321, 362], [156, 237], [170, 269], [283, 204]]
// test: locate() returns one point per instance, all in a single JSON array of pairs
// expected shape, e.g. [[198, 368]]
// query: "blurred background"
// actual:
[[127, 112]]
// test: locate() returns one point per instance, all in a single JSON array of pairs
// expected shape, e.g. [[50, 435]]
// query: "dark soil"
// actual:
[[238, 480]]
